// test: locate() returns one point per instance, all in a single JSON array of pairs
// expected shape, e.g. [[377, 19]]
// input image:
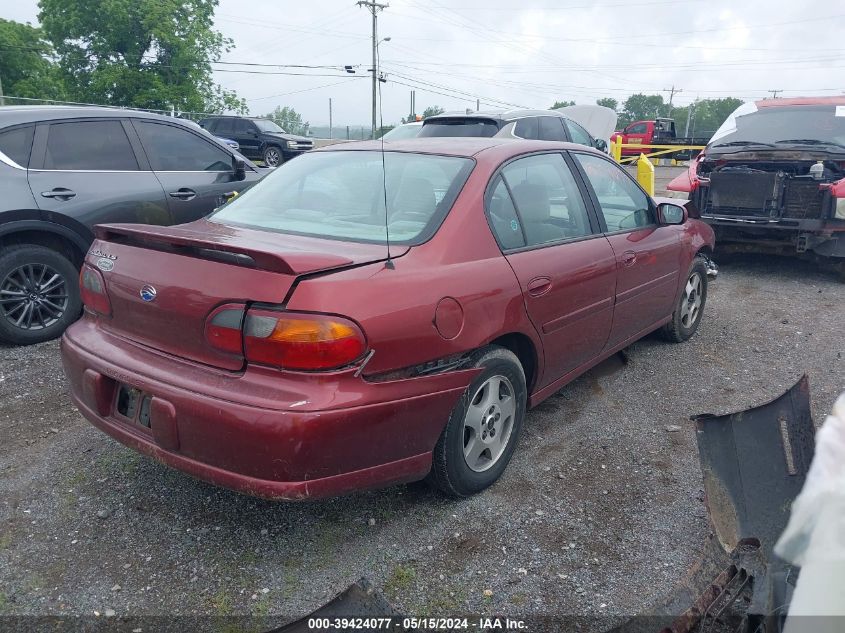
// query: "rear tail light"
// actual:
[[92, 287], [302, 341], [289, 340]]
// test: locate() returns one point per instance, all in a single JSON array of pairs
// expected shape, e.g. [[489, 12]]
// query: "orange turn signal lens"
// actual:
[[302, 341]]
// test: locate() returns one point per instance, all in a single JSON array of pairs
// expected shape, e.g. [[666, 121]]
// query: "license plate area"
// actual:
[[134, 405]]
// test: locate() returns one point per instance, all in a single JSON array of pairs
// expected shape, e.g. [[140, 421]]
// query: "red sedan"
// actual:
[[361, 318]]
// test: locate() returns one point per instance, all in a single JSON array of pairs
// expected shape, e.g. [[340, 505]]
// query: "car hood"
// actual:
[[289, 137]]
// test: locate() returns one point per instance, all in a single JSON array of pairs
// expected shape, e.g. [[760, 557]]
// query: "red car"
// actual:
[[289, 346]]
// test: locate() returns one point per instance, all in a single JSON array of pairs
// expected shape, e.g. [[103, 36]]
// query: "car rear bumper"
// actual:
[[215, 425]]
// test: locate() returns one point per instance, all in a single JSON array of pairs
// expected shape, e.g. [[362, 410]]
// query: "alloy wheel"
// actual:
[[271, 157], [691, 302], [33, 296], [488, 423]]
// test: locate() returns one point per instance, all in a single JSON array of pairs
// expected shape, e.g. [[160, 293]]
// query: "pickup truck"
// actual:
[[655, 132]]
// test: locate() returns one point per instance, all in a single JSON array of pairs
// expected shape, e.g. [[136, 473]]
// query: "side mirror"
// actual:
[[600, 144], [669, 214], [240, 169]]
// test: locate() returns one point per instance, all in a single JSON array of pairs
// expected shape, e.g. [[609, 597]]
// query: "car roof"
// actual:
[[235, 116], [799, 101], [15, 115], [504, 115], [457, 146]]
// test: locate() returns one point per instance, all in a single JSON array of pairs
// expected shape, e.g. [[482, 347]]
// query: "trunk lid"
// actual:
[[163, 282]]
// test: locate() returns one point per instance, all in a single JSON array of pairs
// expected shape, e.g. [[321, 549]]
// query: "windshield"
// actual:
[[265, 125], [341, 195], [460, 127], [785, 125], [401, 132]]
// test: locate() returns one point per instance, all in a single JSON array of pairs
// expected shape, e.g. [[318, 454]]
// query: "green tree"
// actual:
[[26, 68], [143, 53], [639, 107], [608, 102], [289, 120], [705, 116], [561, 104], [432, 110]]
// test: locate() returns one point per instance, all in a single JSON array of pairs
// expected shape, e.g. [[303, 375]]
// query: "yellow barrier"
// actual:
[[617, 147], [645, 174]]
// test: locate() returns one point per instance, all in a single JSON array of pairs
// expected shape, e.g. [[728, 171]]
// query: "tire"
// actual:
[[468, 458], [273, 156], [53, 302], [687, 314]]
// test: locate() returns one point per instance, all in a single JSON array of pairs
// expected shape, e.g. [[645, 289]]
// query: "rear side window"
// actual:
[[547, 199], [89, 145], [503, 219], [579, 135], [639, 128], [242, 126], [459, 127], [222, 127], [17, 144], [551, 129], [171, 148], [527, 128]]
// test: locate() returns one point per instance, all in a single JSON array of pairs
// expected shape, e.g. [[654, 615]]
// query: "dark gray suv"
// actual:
[[65, 169]]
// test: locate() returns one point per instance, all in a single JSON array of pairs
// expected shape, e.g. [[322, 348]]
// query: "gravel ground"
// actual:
[[599, 513]]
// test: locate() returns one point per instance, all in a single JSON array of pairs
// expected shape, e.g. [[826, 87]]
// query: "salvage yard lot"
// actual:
[[600, 511]]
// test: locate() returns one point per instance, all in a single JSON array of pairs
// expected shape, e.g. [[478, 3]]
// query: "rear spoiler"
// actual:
[[193, 244]]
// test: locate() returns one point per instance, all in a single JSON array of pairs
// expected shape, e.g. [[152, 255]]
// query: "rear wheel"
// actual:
[[687, 315], [39, 294], [272, 156], [481, 434]]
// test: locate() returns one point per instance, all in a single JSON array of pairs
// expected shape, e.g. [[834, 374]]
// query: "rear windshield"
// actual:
[[783, 126], [341, 195], [460, 127]]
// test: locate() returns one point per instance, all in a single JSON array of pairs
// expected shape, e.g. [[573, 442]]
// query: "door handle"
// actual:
[[184, 194], [539, 286], [629, 258], [59, 192]]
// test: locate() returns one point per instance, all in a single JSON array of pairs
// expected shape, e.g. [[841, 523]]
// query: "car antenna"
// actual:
[[389, 263]]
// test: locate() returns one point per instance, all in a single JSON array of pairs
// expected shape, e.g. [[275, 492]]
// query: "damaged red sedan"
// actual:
[[364, 317]]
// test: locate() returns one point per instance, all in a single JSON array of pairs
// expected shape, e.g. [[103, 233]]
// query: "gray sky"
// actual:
[[522, 52]]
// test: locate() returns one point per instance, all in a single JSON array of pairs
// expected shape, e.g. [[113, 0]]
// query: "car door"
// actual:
[[248, 136], [647, 255], [551, 129], [194, 172], [90, 170], [635, 134], [565, 266]]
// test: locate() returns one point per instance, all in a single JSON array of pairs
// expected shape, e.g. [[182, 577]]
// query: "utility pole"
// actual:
[[412, 116], [374, 8], [690, 111], [2, 98], [672, 92], [330, 118], [774, 93], [477, 105]]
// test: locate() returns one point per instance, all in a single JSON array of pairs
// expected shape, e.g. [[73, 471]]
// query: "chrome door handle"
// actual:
[[59, 192], [184, 194]]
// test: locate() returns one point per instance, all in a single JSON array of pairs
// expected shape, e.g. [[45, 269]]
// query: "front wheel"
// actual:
[[39, 294], [481, 434], [272, 156], [688, 312]]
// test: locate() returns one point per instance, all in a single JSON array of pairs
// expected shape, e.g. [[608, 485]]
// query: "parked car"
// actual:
[[542, 125], [259, 139], [772, 179], [65, 169], [227, 141], [660, 131], [404, 131], [329, 345]]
